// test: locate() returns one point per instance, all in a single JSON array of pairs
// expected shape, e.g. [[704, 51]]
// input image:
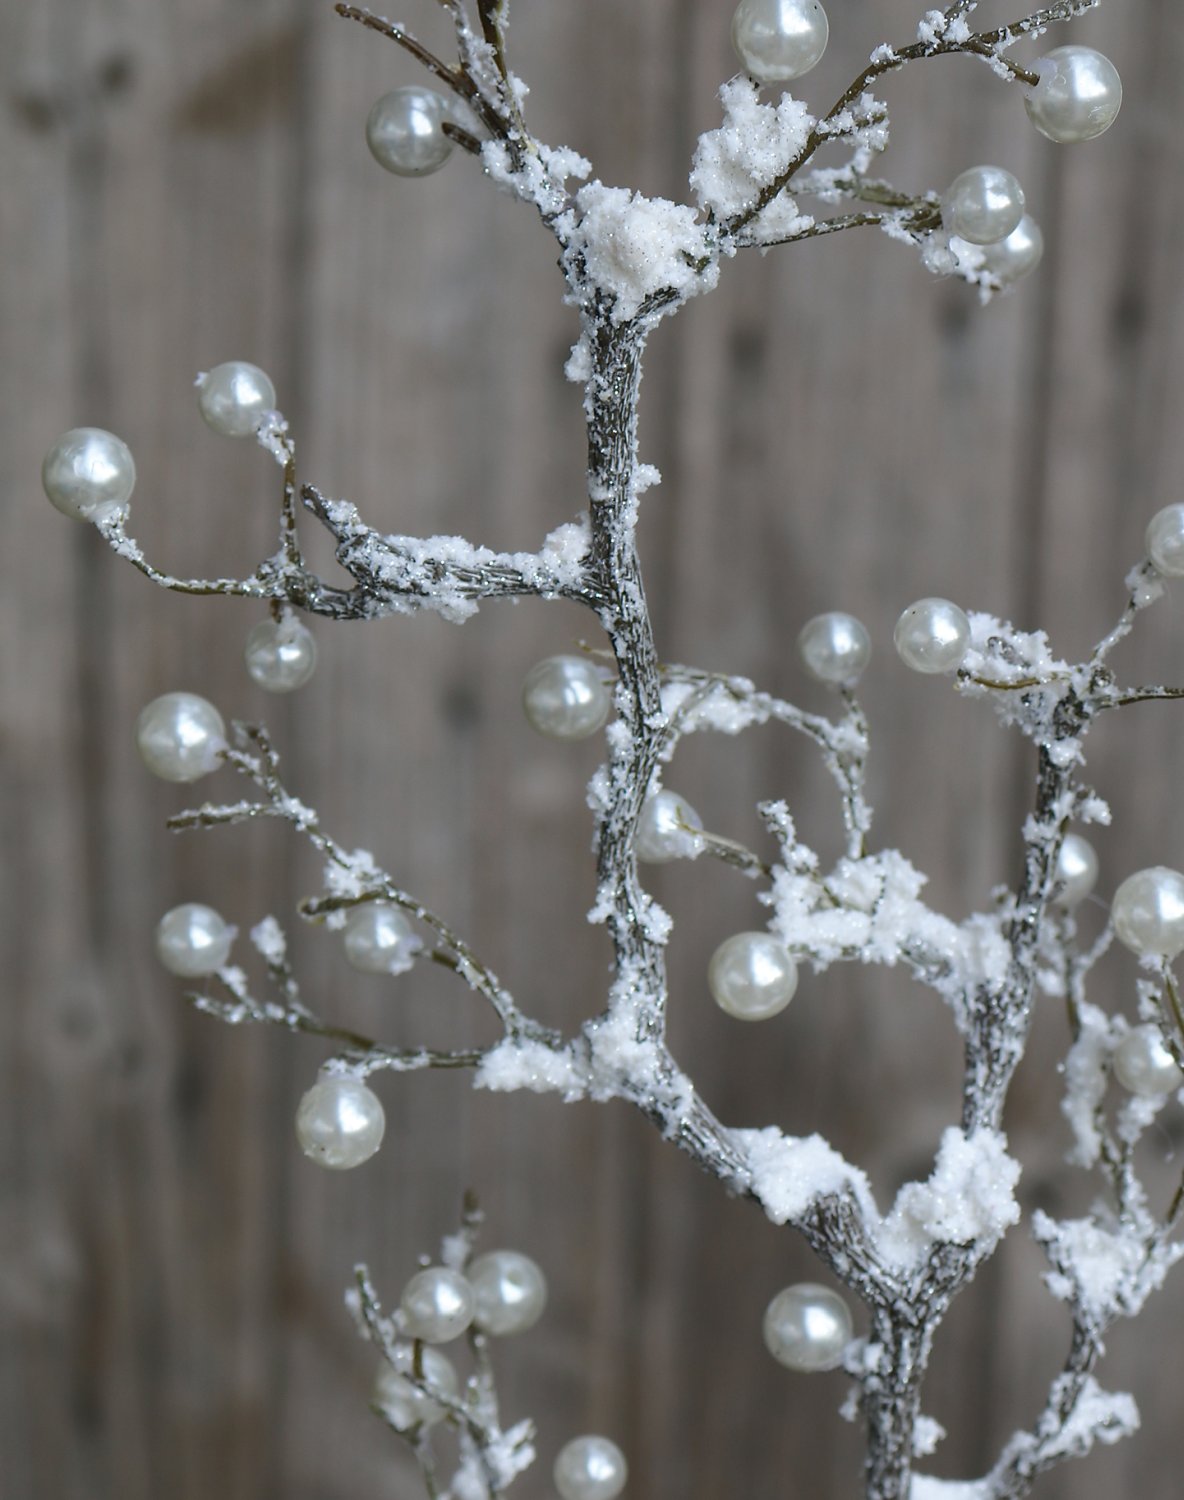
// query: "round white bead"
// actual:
[[340, 1122], [752, 976], [1076, 871], [379, 939], [779, 39], [807, 1327], [181, 737], [1148, 912], [89, 475], [667, 829], [983, 205], [590, 1468], [932, 635], [404, 1403], [1143, 1065], [281, 655], [234, 396], [1019, 253], [192, 940], [1165, 541], [405, 132], [565, 698], [437, 1305], [834, 648], [509, 1291], [1078, 96]]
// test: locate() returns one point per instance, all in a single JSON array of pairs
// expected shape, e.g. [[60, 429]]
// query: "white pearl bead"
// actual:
[[1148, 912], [379, 939], [932, 635], [89, 474], [807, 1327], [667, 829], [590, 1468], [834, 648], [340, 1122], [1143, 1065], [565, 698], [1076, 871], [1165, 541], [752, 976], [234, 396], [281, 655], [983, 205], [192, 940], [1019, 253], [1078, 96], [405, 132], [509, 1290], [779, 39], [437, 1305], [404, 1403], [181, 737]]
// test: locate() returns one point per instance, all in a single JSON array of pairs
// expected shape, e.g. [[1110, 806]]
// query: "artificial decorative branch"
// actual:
[[629, 262]]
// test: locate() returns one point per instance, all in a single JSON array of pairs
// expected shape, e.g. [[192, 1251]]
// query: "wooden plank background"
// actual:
[[186, 183]]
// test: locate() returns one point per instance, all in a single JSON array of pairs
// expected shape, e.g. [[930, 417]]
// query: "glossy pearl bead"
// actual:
[[752, 976], [437, 1305], [807, 1327], [192, 940], [1076, 871], [89, 475], [565, 698], [181, 737], [1078, 96], [779, 39], [590, 1468], [281, 655], [379, 939], [667, 829], [234, 396], [1019, 253], [983, 205], [1143, 1065], [834, 648], [932, 635], [1148, 912], [405, 132], [1165, 541], [404, 1403], [509, 1291], [340, 1122]]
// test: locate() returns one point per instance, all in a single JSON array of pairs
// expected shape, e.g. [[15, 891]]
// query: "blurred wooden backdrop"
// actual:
[[186, 183]]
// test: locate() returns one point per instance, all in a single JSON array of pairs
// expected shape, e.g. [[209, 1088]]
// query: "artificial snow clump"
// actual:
[[969, 1197], [633, 247], [750, 150]]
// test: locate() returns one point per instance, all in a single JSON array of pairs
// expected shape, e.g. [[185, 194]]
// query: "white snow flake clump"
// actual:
[[751, 149], [969, 1198], [632, 246]]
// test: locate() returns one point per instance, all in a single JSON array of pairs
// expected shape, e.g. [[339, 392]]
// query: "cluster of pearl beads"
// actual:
[[502, 1292], [807, 1327]]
